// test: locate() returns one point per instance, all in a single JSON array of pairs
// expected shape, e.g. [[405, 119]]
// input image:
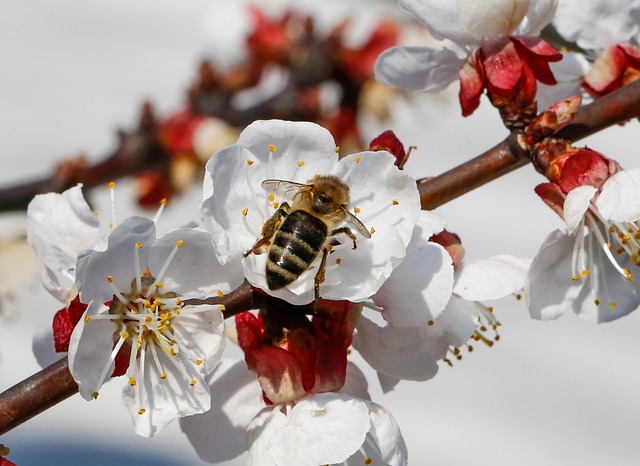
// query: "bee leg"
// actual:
[[269, 229], [347, 232], [319, 278]]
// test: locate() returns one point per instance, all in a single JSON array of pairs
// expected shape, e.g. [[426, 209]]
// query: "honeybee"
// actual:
[[295, 235]]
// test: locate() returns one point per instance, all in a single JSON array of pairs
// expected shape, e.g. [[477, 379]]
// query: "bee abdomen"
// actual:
[[295, 245]]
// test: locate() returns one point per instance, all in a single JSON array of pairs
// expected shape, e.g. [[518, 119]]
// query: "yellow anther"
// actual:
[[163, 327], [220, 293], [356, 160], [179, 243], [159, 285], [368, 460], [193, 382], [373, 230], [301, 163], [575, 278], [245, 211], [172, 342], [163, 201], [597, 302], [271, 198], [612, 304], [125, 335], [627, 272], [95, 395], [141, 411], [585, 273], [222, 307], [518, 296], [163, 376], [336, 149], [490, 308], [87, 319], [139, 345], [132, 381], [395, 202], [176, 311], [198, 362], [338, 261], [110, 279], [138, 245], [172, 352], [612, 229], [111, 185], [272, 148], [249, 162], [178, 302], [430, 323], [95, 213], [148, 319], [356, 210], [275, 205], [619, 250]]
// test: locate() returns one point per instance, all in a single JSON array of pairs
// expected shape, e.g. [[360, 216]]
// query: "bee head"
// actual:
[[329, 194]]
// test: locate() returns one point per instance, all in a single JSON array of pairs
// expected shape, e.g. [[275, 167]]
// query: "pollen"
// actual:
[[575, 278], [193, 382], [585, 273], [250, 162], [338, 261], [138, 245], [222, 308], [110, 279], [220, 293], [245, 211], [172, 352], [163, 376], [336, 149], [356, 160], [275, 205], [271, 197], [87, 319], [272, 148], [368, 460], [301, 163], [111, 185], [596, 302], [125, 335], [612, 229], [198, 362], [163, 201], [179, 243], [356, 210], [141, 411], [373, 230], [612, 304], [132, 381], [95, 395], [430, 323], [395, 202]]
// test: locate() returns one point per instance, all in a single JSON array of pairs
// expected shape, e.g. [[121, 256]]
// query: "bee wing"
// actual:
[[353, 221], [286, 189]]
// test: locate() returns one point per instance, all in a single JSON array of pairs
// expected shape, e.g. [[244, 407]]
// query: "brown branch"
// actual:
[[54, 384], [513, 153]]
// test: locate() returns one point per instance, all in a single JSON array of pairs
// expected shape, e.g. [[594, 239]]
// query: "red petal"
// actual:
[[389, 141], [249, 329], [64, 322], [471, 83], [279, 374], [537, 54], [584, 168], [502, 64], [552, 195], [452, 243], [605, 75]]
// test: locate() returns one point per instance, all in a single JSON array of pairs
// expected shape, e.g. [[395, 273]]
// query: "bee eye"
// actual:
[[324, 198]]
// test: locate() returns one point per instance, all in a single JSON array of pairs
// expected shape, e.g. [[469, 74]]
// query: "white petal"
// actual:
[[491, 278], [549, 289], [485, 18], [219, 434], [576, 204], [396, 351], [387, 435], [59, 227], [619, 200], [539, 14], [164, 399], [90, 348], [617, 22], [441, 17], [419, 288], [118, 261], [569, 72], [321, 429], [355, 383], [418, 68], [195, 268]]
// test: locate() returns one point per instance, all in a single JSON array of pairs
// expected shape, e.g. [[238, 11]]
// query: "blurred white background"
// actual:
[[554, 393]]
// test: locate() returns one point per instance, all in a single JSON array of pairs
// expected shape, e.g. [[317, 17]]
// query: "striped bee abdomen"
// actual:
[[294, 247]]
